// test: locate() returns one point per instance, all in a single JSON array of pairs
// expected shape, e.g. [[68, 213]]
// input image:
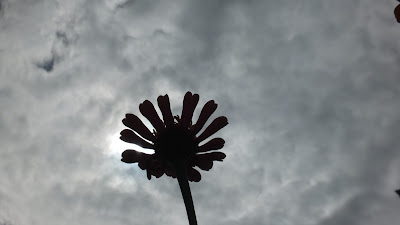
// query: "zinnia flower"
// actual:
[[175, 141], [397, 13]]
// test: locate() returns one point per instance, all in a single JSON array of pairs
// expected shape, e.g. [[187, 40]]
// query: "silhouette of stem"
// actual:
[[180, 169]]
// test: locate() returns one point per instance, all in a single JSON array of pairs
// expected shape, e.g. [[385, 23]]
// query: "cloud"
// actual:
[[309, 89]]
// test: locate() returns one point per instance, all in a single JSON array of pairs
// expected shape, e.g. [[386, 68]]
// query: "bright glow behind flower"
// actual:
[[116, 144]]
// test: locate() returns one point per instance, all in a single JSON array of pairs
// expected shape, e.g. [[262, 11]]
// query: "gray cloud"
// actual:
[[310, 89]]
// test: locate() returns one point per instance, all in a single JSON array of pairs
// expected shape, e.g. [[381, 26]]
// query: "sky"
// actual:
[[310, 89]]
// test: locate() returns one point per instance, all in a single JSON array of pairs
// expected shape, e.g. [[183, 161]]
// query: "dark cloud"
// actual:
[[62, 36], [47, 64], [58, 50]]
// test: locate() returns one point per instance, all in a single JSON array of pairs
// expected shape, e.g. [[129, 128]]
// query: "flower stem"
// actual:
[[180, 170]]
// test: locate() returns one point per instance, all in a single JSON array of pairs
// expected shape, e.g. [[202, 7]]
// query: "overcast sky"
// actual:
[[311, 90]]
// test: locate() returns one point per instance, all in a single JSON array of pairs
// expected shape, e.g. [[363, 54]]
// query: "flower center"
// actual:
[[175, 144]]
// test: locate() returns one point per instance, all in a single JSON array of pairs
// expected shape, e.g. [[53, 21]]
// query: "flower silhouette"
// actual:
[[397, 13], [175, 143], [174, 140]]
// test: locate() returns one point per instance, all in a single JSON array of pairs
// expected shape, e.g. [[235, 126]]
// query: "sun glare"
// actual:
[[117, 146]]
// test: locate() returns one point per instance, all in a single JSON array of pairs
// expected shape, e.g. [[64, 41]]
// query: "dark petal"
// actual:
[[215, 126], [133, 156], [189, 104], [158, 173], [205, 114], [204, 164], [193, 175], [143, 164], [214, 144], [169, 171], [205, 161], [148, 174], [397, 13], [147, 109], [133, 122], [156, 168], [398, 192], [215, 156], [165, 107], [130, 137]]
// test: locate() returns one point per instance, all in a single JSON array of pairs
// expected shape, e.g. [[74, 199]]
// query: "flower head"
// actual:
[[397, 13], [174, 139]]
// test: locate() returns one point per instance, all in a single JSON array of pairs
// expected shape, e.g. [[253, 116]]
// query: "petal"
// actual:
[[156, 168], [189, 104], [205, 161], [205, 114], [215, 156], [133, 156], [204, 164], [157, 173], [143, 164], [193, 175], [148, 174], [215, 126], [169, 171], [147, 109], [397, 13], [164, 105], [130, 137], [133, 122], [214, 144]]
